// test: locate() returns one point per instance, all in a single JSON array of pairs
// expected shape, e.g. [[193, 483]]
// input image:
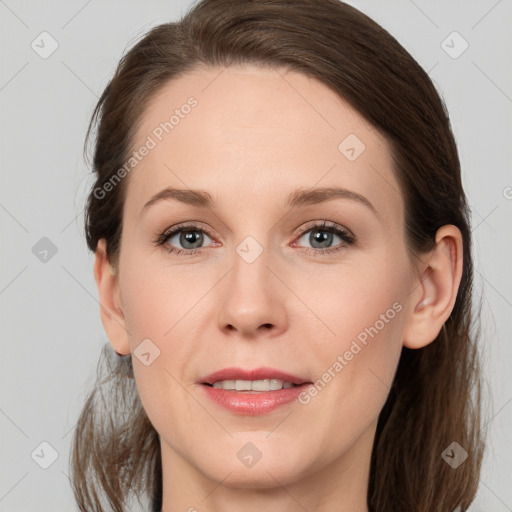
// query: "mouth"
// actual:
[[248, 386], [257, 380], [252, 392]]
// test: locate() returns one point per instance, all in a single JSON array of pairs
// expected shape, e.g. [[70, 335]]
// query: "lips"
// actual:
[[252, 403], [254, 374]]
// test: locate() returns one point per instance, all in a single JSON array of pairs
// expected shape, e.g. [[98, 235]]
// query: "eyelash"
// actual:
[[344, 234]]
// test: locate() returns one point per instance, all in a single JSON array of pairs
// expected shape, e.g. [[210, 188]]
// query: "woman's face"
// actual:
[[268, 286]]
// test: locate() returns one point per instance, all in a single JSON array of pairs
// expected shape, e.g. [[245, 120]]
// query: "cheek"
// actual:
[[156, 312], [357, 359], [152, 300], [355, 374], [367, 341], [361, 303]]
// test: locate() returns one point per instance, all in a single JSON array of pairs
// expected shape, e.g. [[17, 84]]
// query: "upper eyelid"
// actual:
[[191, 226], [326, 225], [318, 224]]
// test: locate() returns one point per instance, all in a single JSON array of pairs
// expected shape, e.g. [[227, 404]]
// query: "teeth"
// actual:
[[243, 385], [253, 385]]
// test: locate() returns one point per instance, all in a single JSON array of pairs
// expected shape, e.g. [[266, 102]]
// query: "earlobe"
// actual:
[[437, 289], [111, 310]]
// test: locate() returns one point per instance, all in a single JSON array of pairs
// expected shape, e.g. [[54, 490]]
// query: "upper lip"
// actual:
[[254, 374]]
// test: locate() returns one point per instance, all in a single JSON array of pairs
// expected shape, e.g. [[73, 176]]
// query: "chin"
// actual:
[[262, 478], [264, 474]]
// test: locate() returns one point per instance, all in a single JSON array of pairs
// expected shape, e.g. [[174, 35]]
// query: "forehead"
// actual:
[[248, 131]]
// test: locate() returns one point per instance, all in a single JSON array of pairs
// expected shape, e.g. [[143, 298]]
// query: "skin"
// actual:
[[254, 137]]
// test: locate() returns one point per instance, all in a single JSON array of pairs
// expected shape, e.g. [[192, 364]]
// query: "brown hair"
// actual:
[[435, 398]]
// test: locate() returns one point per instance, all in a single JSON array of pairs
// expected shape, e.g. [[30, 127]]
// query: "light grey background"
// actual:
[[51, 332]]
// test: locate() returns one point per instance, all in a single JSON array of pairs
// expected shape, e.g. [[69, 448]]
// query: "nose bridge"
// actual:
[[251, 260], [251, 297]]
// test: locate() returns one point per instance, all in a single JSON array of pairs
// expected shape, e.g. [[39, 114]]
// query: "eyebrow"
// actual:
[[299, 197]]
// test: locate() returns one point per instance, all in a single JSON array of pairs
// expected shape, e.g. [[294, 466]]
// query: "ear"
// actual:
[[111, 311], [437, 289]]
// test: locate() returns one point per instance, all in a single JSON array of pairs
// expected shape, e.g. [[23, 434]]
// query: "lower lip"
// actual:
[[253, 403]]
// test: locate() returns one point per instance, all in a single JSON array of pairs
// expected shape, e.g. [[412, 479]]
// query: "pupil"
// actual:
[[188, 237], [321, 237]]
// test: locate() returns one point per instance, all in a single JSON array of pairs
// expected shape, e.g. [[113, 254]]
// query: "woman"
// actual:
[[312, 348]]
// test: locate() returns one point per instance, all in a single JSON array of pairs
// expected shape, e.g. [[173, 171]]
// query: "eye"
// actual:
[[188, 239], [321, 237]]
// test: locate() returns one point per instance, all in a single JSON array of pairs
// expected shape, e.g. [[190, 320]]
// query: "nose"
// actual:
[[253, 298]]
